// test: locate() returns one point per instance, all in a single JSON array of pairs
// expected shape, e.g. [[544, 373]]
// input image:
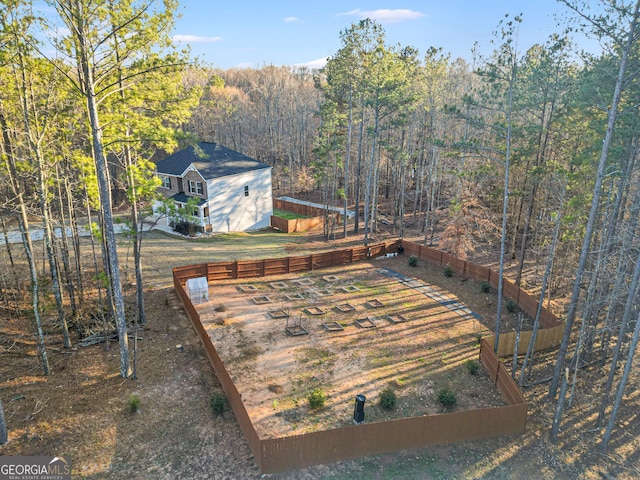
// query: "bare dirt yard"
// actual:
[[353, 330], [81, 411]]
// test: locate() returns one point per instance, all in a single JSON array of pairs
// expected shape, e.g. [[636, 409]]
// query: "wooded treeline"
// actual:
[[529, 153]]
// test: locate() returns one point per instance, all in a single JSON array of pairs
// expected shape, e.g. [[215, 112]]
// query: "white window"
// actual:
[[246, 190], [195, 187], [166, 181]]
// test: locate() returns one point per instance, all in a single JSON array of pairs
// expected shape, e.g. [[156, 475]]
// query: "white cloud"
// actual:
[[291, 19], [314, 64], [195, 39], [386, 15]]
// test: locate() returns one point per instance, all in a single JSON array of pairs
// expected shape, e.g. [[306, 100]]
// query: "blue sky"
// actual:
[[252, 33]]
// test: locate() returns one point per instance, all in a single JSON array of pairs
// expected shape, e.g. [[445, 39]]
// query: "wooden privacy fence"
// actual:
[[526, 302], [302, 209], [280, 266], [296, 451]]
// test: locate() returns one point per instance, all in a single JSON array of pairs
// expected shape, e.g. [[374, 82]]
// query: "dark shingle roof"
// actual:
[[183, 198], [211, 160]]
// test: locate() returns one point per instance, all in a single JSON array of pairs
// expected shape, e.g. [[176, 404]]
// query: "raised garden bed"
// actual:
[[278, 313], [332, 326], [396, 318], [279, 285], [261, 300], [247, 288], [295, 330], [324, 293], [375, 303], [314, 311], [365, 322], [349, 289], [345, 307], [330, 278], [294, 296], [304, 281]]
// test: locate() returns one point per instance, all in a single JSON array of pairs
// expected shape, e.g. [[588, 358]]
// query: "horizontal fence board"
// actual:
[[296, 224], [355, 441], [321, 260], [501, 377], [360, 253], [431, 255], [280, 223], [302, 209], [477, 272], [545, 338], [510, 290]]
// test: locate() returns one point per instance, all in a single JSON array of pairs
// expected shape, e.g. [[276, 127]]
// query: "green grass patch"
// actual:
[[287, 215]]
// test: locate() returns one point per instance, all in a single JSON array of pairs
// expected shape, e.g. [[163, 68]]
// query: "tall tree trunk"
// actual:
[[593, 212], [4, 437], [65, 250], [356, 227], [505, 206], [23, 223], [368, 201], [105, 202], [347, 159], [75, 237], [34, 134], [557, 417], [621, 386], [545, 279], [628, 311]]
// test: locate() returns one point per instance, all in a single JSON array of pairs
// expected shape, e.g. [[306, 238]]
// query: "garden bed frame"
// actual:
[[297, 451]]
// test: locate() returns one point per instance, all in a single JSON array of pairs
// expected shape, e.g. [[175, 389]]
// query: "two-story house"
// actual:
[[233, 191]]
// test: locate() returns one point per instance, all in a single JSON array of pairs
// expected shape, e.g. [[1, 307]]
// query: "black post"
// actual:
[[358, 411]]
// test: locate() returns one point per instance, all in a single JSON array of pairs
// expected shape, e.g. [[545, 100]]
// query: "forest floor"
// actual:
[[81, 411]]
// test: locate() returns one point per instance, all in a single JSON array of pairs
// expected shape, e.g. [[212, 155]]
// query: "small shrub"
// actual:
[[186, 228], [316, 398], [448, 271], [447, 397], [388, 399], [485, 287], [472, 366], [217, 403], [413, 261], [512, 306], [134, 403], [221, 308]]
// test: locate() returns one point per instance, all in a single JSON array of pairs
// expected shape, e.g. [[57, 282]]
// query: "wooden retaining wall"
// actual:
[[296, 224], [302, 209], [285, 453]]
